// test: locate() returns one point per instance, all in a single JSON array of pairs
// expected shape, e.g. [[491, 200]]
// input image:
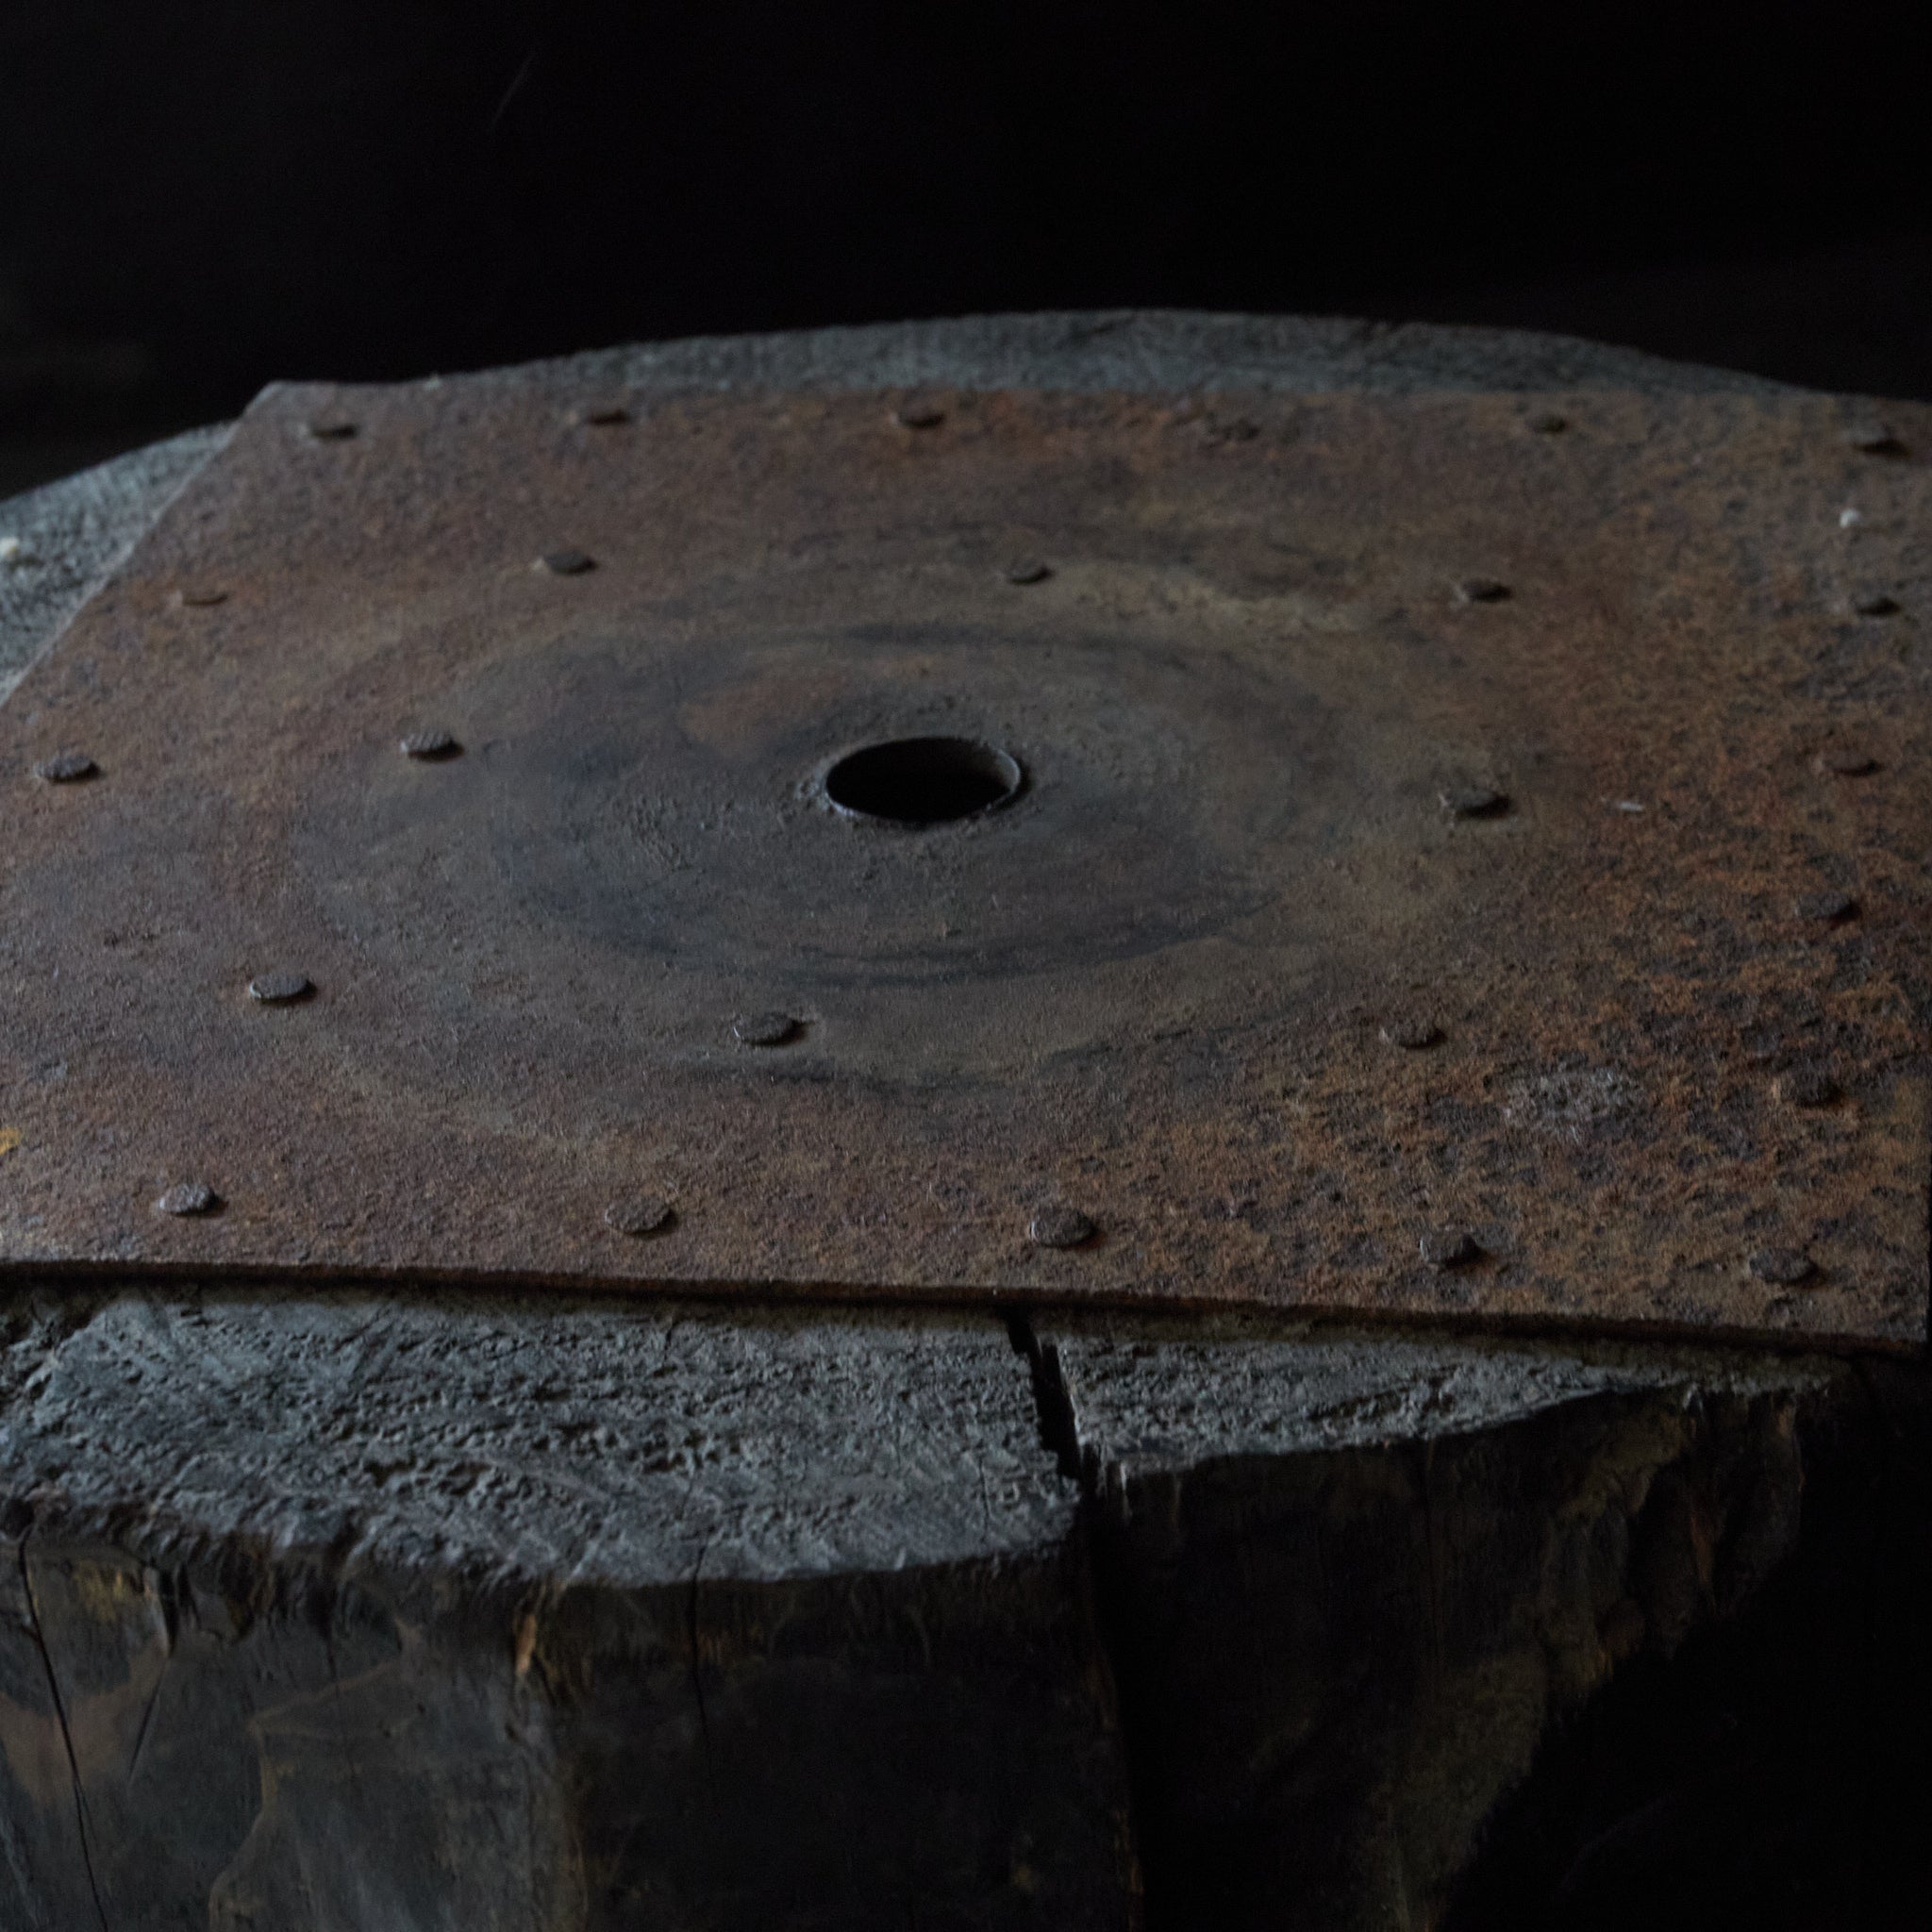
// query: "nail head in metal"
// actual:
[[1450, 1247], [1061, 1227], [642, 1215], [280, 989], [187, 1197], [1028, 569], [1411, 1033], [331, 428], [431, 745], [66, 768], [919, 412], [1876, 605], [765, 1029], [1847, 763], [1807, 1086], [1827, 908], [1481, 591], [566, 563], [1473, 800], [1782, 1267]]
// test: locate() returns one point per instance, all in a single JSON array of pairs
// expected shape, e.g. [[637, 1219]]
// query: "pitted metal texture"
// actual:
[[1433, 862]]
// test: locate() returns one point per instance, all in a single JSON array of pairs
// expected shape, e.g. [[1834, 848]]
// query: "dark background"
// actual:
[[199, 195]]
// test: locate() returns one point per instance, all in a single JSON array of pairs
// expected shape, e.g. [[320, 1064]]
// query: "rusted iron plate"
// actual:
[[1452, 867]]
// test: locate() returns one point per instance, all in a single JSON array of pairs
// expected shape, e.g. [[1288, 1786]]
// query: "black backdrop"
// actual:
[[198, 196]]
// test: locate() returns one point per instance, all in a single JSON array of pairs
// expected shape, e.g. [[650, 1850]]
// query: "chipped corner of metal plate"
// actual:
[[1428, 856]]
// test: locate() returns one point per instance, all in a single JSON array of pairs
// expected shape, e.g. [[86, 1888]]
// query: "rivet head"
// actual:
[[1028, 569], [280, 989], [201, 596], [919, 412], [765, 1029], [1473, 800], [331, 428], [14, 554], [1548, 422], [567, 564], [1846, 763], [429, 745], [1876, 603], [1061, 1227], [606, 415], [1782, 1267], [1450, 1247], [1412, 1032], [66, 768], [1827, 908], [1874, 440], [1807, 1086], [188, 1198], [1481, 591], [641, 1216]]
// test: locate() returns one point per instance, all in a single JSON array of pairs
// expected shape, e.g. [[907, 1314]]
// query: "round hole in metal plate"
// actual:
[[924, 781]]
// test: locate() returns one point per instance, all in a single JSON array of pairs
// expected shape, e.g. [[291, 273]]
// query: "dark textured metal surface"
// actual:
[[1163, 989]]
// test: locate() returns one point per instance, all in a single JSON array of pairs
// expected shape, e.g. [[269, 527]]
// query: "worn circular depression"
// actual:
[[924, 781]]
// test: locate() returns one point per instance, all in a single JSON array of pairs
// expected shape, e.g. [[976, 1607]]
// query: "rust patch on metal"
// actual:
[[1289, 794]]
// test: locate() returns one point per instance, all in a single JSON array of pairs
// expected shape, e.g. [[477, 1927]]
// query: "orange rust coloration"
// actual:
[[1157, 985]]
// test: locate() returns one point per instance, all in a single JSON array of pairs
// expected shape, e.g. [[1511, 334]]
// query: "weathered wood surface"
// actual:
[[341, 1613], [402, 1612], [1354, 1585]]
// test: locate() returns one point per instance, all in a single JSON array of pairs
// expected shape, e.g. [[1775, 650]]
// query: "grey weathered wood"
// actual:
[[1356, 1579], [358, 1613]]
